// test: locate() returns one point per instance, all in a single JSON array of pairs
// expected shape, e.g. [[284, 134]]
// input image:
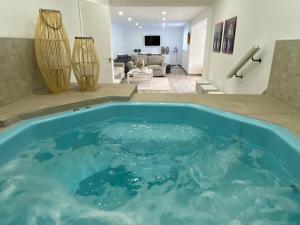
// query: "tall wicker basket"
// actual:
[[53, 50], [85, 63]]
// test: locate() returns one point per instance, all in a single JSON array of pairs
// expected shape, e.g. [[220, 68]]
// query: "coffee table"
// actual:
[[140, 75]]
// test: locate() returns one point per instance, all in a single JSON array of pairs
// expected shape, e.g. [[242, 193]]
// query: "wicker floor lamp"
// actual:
[[53, 50], [85, 63]]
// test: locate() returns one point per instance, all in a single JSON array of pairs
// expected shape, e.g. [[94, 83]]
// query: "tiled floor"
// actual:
[[43, 104], [257, 106], [180, 82]]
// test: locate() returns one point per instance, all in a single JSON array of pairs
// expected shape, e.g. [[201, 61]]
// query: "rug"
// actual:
[[157, 84]]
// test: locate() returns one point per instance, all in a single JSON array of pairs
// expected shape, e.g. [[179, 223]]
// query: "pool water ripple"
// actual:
[[136, 172]]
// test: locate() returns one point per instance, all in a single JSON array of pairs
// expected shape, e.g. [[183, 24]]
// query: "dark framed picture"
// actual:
[[229, 35], [218, 37]]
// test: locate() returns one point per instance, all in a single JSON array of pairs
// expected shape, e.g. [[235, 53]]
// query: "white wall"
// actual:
[[197, 47], [18, 18], [260, 22], [96, 23], [207, 15], [185, 60], [118, 43], [134, 38]]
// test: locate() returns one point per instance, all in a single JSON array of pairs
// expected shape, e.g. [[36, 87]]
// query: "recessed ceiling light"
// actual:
[[129, 19], [164, 13], [137, 24], [121, 13], [164, 19], [140, 27], [164, 24]]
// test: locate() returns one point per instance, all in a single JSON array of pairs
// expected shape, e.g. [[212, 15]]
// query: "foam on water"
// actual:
[[123, 172]]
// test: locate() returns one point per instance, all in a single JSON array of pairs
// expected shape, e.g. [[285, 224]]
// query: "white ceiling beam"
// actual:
[[162, 3]]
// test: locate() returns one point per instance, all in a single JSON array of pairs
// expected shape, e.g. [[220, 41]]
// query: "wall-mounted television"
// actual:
[[152, 40]]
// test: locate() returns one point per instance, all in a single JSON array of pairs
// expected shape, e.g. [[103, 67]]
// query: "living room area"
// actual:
[[151, 48]]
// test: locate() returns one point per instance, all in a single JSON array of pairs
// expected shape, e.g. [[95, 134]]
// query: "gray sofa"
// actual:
[[155, 62]]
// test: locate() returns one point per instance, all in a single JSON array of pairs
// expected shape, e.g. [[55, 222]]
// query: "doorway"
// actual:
[[95, 22], [197, 47]]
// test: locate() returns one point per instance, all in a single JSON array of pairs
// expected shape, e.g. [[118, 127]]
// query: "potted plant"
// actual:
[[137, 51]]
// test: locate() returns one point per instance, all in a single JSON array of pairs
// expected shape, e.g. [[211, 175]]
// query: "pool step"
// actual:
[[203, 82], [215, 93], [205, 87]]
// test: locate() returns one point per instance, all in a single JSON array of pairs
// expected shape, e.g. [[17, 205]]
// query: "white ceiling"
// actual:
[[152, 16], [164, 3]]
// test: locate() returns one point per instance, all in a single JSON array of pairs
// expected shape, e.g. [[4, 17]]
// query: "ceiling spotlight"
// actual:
[[129, 19], [137, 24], [164, 19], [121, 13], [164, 13], [140, 27]]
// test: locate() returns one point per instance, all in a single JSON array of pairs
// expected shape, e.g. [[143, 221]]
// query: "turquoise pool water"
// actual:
[[135, 171]]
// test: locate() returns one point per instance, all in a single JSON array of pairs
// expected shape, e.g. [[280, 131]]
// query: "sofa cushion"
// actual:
[[155, 60], [123, 57], [155, 67]]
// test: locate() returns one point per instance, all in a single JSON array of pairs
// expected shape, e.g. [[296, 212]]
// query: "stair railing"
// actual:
[[248, 56]]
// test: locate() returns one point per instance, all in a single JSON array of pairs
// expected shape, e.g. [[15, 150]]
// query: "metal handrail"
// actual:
[[248, 56]]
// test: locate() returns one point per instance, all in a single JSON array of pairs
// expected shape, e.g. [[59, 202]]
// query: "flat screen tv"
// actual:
[[152, 40]]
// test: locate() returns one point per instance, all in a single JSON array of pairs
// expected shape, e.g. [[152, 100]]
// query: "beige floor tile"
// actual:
[[291, 122], [257, 106], [43, 104]]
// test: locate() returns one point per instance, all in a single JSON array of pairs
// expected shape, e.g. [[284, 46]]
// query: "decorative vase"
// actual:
[[85, 63], [52, 50], [167, 50], [140, 64], [163, 50]]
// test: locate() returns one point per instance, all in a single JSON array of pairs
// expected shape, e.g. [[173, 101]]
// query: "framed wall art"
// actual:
[[218, 37], [229, 35]]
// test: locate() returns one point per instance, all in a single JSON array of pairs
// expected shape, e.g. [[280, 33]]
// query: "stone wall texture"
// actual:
[[19, 73], [284, 83]]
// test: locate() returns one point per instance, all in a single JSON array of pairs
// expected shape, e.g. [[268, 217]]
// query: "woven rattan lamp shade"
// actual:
[[53, 50], [85, 63]]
